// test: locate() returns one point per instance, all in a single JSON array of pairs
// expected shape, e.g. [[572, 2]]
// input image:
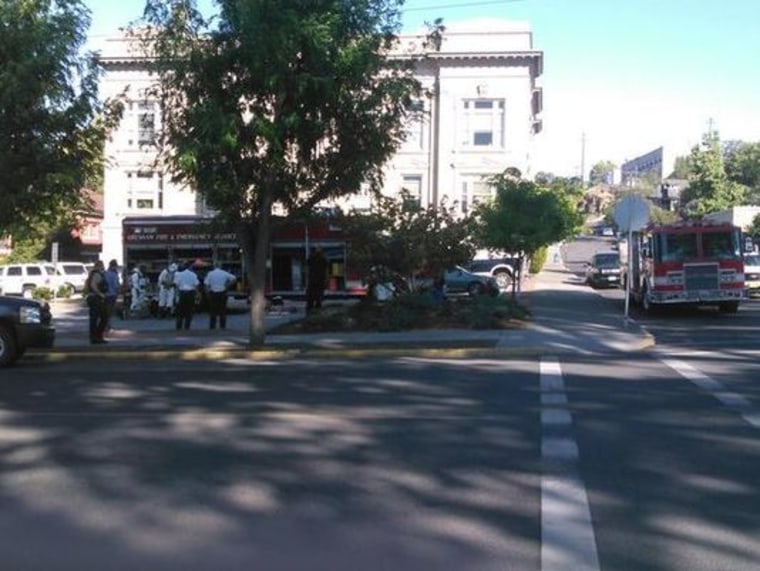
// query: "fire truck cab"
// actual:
[[692, 263]]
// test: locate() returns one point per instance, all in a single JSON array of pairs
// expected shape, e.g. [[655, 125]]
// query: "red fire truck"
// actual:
[[154, 241], [687, 263]]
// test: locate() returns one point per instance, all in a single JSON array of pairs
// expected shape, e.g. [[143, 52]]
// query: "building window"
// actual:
[[415, 127], [412, 184], [482, 138], [481, 191], [475, 190], [146, 123], [483, 123], [144, 203]]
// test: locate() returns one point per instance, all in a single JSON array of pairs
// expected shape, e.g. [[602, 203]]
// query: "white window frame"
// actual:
[[143, 185], [474, 189], [483, 123], [415, 128], [412, 182]]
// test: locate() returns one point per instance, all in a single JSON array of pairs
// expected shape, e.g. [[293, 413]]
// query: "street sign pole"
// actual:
[[629, 262], [631, 213]]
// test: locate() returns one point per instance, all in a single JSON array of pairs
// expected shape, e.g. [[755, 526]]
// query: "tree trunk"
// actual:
[[520, 271], [258, 246]]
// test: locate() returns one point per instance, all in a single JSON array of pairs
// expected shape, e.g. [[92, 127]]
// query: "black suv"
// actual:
[[603, 270], [24, 323]]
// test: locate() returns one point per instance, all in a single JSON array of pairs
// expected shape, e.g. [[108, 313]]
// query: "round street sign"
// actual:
[[632, 213]]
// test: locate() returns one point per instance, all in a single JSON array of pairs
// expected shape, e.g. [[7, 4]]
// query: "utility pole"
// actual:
[[583, 158]]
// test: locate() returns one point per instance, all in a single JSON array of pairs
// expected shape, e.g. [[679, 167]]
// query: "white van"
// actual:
[[71, 275], [23, 279]]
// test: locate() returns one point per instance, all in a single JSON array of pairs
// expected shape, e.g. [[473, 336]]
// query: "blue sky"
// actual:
[[631, 75]]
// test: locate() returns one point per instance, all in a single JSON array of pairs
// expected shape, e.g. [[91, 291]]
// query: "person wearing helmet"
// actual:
[[166, 291]]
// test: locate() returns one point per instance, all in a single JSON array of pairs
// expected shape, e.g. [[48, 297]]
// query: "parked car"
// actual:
[[603, 270], [459, 280], [502, 267], [23, 279], [752, 274], [71, 275], [24, 323]]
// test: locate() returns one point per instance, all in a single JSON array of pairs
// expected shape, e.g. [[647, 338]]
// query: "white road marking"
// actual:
[[553, 399], [555, 416], [729, 399], [567, 533]]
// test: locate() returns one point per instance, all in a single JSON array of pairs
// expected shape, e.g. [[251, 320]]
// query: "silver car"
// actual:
[[460, 280]]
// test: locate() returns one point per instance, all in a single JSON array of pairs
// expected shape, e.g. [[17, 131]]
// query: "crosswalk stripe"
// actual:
[[567, 533]]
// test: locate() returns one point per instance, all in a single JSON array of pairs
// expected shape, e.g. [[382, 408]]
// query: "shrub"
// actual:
[[538, 260], [64, 292], [330, 318], [413, 311], [43, 293], [407, 311], [486, 312]]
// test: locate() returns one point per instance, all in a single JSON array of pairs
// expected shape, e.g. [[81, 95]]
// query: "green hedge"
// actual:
[[538, 260]]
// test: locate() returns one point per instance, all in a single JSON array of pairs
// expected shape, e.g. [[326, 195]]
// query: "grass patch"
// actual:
[[413, 311]]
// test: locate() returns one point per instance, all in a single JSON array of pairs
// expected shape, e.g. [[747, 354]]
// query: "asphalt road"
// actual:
[[616, 463]]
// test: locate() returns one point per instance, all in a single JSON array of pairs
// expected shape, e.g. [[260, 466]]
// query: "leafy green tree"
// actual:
[[601, 172], [754, 229], [294, 102], [399, 237], [525, 216], [682, 168], [52, 126], [743, 167], [30, 243], [544, 177], [709, 186]]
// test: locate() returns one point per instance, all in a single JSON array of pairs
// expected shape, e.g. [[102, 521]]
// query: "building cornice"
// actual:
[[126, 62], [534, 56]]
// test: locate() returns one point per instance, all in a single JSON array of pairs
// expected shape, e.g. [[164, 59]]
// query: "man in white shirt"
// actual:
[[186, 282], [217, 282]]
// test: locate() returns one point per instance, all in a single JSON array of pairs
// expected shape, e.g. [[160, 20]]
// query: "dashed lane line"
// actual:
[[567, 533]]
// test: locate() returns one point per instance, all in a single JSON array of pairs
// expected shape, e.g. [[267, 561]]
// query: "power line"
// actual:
[[461, 5]]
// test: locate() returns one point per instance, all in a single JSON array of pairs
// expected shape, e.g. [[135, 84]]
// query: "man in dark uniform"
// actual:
[[316, 279], [97, 288]]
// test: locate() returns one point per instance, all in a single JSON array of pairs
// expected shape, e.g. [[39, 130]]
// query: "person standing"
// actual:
[[96, 303], [112, 290], [316, 279], [217, 282], [166, 290], [186, 282], [137, 288]]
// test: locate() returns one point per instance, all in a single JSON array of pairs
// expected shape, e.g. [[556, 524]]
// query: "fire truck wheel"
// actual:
[[729, 307]]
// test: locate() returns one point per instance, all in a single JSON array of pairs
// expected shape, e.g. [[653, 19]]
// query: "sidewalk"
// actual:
[[555, 328]]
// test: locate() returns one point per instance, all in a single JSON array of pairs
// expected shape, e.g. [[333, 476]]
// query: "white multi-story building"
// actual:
[[481, 118], [657, 164]]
